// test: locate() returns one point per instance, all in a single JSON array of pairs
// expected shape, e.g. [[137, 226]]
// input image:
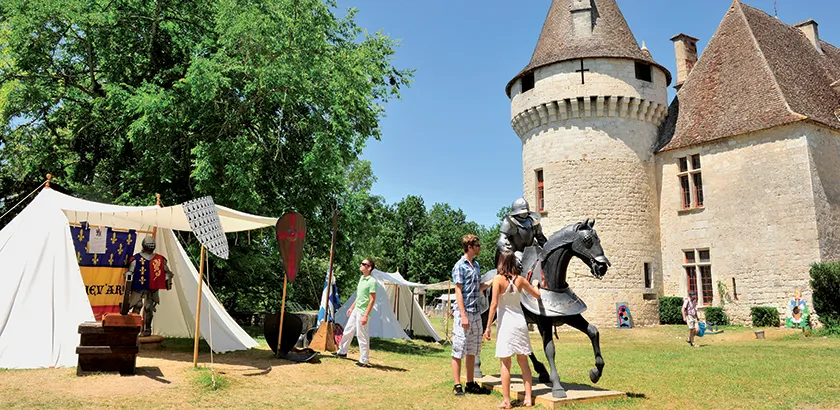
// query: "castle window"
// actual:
[[527, 81], [699, 260], [648, 278], [643, 72], [691, 182], [540, 192]]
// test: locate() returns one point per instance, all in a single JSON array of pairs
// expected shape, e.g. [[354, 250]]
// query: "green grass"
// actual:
[[655, 366], [207, 380]]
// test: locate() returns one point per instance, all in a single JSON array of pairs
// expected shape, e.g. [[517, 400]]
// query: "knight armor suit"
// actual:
[[147, 273], [520, 229]]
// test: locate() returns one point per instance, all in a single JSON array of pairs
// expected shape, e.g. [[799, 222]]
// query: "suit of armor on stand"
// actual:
[[146, 275]]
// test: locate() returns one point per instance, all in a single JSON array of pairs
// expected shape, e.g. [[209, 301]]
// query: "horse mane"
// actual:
[[561, 238]]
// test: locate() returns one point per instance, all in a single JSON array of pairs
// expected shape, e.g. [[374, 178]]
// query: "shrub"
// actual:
[[670, 310], [765, 316], [831, 327], [716, 315], [825, 282]]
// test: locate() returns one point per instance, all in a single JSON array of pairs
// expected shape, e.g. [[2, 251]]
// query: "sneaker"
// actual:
[[360, 364], [340, 355], [458, 390], [475, 388]]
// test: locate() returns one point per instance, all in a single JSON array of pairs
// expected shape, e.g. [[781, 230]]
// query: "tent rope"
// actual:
[[24, 199]]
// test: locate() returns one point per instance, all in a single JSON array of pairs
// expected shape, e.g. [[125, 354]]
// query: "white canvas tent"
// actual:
[[384, 321], [43, 298]]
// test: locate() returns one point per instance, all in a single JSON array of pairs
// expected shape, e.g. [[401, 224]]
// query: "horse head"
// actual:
[[578, 239], [587, 246]]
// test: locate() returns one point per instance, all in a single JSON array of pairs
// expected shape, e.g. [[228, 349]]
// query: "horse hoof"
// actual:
[[595, 375], [558, 394]]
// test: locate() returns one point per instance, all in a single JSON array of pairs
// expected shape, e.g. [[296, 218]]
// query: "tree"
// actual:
[[265, 105]]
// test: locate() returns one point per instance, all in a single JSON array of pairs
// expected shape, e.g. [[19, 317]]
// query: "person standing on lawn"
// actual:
[[512, 336], [689, 314], [358, 314], [466, 341]]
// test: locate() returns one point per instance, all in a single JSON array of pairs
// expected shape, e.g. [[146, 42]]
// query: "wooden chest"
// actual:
[[110, 345]]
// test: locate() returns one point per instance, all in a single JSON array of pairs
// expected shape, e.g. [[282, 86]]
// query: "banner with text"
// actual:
[[103, 266]]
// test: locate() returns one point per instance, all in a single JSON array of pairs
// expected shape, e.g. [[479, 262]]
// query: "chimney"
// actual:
[[809, 28], [685, 49], [582, 17]]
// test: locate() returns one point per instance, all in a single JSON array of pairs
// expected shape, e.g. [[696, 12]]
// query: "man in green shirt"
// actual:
[[357, 324]]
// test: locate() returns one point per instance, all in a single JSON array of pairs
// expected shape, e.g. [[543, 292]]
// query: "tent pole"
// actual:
[[411, 316], [198, 307], [282, 313], [448, 309]]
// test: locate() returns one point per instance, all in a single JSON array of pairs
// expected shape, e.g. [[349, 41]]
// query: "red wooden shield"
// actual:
[[291, 230]]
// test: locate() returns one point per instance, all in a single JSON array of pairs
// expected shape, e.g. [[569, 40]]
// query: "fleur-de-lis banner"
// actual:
[[204, 222]]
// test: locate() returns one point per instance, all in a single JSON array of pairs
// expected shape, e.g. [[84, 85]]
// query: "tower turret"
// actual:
[[587, 108]]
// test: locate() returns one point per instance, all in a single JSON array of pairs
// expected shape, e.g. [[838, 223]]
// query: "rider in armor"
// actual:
[[520, 228]]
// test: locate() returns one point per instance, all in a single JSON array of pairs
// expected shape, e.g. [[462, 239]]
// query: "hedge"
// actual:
[[670, 310], [765, 316], [716, 315], [825, 283]]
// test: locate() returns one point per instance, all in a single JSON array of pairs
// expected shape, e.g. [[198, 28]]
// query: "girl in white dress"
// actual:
[[512, 338]]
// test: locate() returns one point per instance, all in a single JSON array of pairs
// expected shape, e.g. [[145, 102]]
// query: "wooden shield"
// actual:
[[291, 230]]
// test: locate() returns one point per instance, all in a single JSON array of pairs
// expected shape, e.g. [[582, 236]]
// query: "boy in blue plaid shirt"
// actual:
[[466, 341]]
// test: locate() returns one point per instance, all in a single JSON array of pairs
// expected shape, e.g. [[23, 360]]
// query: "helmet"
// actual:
[[149, 244], [520, 207]]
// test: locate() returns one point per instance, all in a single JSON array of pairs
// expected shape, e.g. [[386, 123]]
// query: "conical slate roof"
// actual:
[[755, 73], [610, 37]]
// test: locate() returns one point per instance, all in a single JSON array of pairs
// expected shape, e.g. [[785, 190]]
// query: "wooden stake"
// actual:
[[282, 312], [324, 338], [198, 308]]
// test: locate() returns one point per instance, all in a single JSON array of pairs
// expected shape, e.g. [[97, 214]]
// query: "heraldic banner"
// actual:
[[103, 256]]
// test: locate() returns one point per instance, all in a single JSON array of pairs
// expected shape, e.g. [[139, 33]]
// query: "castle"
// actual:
[[732, 190]]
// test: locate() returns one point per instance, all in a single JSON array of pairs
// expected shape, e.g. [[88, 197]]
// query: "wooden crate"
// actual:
[[108, 346]]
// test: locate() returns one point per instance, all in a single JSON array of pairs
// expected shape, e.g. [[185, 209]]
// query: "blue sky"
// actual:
[[449, 139]]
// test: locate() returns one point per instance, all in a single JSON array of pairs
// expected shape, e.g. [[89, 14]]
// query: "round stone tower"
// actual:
[[587, 109]]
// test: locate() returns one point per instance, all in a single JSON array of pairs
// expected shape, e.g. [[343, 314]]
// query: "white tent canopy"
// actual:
[[386, 321], [43, 299]]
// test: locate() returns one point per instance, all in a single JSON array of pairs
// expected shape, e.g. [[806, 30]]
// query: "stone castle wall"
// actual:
[[594, 144], [824, 150], [758, 220]]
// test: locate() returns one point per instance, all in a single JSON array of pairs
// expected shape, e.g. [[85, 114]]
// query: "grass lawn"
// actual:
[[654, 365]]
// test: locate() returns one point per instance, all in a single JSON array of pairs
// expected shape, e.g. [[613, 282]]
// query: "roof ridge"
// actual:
[[764, 62]]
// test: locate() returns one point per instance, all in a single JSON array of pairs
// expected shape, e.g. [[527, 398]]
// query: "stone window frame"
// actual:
[[528, 82], [644, 72], [539, 177], [698, 266], [689, 175], [647, 272]]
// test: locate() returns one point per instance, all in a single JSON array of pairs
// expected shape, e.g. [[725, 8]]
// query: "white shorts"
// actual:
[[469, 341], [692, 322]]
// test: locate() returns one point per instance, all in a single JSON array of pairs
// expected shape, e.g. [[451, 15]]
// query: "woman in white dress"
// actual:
[[512, 338]]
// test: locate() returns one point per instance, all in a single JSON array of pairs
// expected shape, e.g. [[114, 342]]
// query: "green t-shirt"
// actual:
[[367, 285]]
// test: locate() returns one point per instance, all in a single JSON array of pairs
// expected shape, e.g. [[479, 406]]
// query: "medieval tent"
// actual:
[[44, 297], [395, 312]]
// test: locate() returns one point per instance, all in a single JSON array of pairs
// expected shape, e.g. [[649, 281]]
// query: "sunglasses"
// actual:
[[478, 245], [365, 265]]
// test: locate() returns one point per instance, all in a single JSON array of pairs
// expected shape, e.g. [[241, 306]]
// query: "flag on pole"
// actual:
[[334, 305]]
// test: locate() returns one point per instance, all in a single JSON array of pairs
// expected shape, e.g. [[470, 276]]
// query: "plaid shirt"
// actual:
[[469, 276]]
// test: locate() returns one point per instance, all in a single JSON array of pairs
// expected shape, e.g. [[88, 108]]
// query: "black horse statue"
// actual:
[[558, 305]]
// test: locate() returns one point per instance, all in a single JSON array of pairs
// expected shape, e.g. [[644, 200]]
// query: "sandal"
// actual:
[[502, 405]]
